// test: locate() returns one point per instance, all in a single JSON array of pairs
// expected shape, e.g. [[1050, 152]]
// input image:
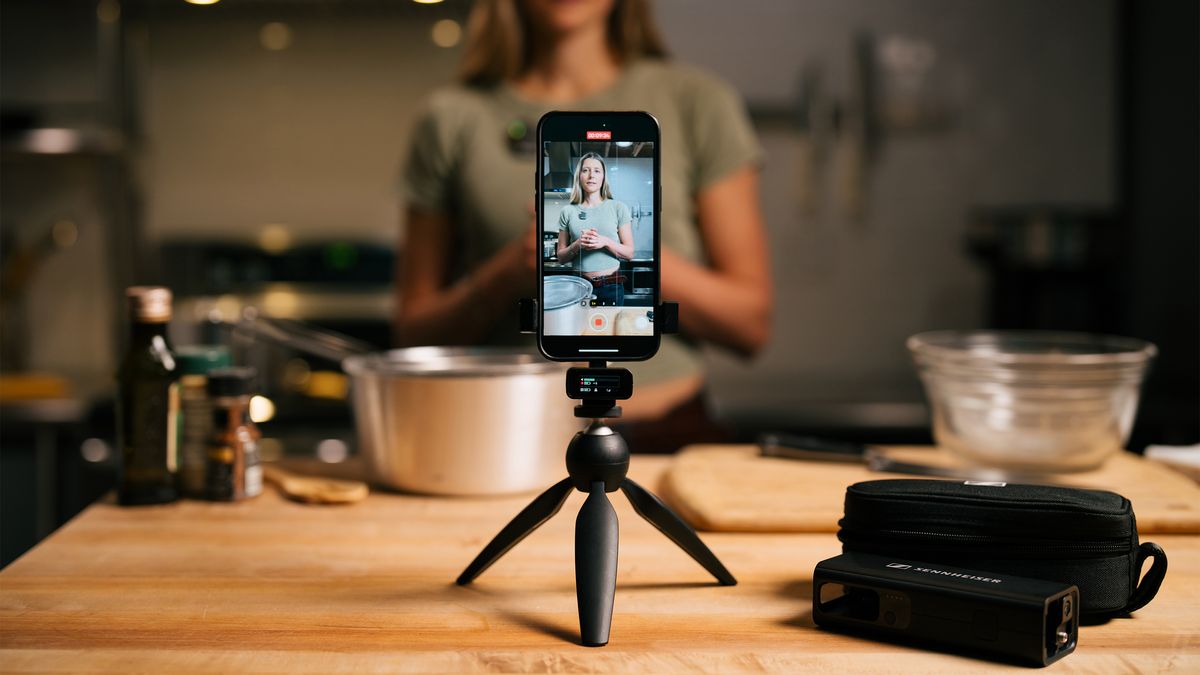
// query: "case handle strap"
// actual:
[[1148, 587]]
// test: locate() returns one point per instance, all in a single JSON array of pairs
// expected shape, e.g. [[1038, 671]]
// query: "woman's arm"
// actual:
[[567, 251], [623, 249], [730, 301], [432, 312]]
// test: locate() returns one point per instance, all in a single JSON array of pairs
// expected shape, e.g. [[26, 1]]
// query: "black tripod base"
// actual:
[[529, 519], [597, 467], [596, 538]]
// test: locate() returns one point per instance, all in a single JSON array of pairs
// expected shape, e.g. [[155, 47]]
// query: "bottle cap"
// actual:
[[149, 304], [199, 359], [236, 381]]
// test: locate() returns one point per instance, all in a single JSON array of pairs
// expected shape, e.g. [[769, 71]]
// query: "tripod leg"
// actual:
[[661, 516], [529, 519], [596, 536]]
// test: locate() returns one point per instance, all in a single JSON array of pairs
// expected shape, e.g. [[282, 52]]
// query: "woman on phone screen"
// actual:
[[469, 251], [595, 230]]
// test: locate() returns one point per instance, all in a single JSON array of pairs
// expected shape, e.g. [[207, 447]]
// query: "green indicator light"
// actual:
[[341, 256], [517, 130]]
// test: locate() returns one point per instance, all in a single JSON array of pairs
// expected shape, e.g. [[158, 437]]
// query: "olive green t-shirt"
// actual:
[[606, 218], [462, 163]]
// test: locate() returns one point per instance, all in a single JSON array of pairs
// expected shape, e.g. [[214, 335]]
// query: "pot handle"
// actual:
[[298, 335]]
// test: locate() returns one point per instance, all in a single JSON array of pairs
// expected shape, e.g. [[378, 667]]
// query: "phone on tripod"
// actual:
[[598, 209], [598, 213]]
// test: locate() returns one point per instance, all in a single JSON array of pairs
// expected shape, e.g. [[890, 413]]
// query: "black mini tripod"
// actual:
[[597, 461]]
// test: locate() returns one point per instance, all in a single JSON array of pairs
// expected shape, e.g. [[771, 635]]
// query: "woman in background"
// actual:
[[469, 252], [596, 230]]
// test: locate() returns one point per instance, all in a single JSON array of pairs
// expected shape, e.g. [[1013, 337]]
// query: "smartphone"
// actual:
[[598, 210]]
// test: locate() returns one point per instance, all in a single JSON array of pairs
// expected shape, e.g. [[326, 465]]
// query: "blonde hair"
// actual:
[[577, 189], [498, 45]]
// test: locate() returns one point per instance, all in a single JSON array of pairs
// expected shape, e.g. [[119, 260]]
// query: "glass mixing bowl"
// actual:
[[1031, 401]]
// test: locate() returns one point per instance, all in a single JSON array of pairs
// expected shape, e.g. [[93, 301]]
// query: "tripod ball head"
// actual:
[[597, 454]]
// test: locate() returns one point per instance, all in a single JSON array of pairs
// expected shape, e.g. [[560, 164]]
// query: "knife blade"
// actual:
[[812, 448]]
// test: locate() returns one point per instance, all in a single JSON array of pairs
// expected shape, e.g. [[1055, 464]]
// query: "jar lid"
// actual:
[[200, 359], [149, 304], [235, 381]]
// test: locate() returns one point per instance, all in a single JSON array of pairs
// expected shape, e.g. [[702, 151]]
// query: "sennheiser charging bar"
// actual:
[[1011, 618], [585, 384]]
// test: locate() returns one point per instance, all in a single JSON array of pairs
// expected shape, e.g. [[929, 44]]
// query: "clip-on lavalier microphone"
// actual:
[[597, 461]]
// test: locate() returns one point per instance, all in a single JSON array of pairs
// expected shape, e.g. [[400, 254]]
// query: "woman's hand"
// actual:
[[431, 311], [520, 258], [593, 240]]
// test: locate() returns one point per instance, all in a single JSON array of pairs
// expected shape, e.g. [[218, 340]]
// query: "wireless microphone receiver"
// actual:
[[1013, 618]]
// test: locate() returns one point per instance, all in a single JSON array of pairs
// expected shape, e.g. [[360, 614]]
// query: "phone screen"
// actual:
[[599, 235]]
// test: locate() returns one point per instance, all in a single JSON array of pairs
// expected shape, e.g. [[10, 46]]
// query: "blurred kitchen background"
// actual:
[[929, 164]]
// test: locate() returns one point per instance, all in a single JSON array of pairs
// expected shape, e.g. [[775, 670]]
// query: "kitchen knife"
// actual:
[[788, 446]]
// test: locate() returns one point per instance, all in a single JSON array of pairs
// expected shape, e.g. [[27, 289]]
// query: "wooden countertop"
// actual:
[[274, 585]]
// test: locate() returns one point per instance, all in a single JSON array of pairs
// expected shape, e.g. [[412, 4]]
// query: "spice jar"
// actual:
[[195, 362], [234, 471]]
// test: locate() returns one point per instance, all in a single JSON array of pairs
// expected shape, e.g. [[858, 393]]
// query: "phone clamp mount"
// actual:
[[597, 463]]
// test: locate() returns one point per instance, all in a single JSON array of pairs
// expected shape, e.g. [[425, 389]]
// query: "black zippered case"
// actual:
[[1083, 537]]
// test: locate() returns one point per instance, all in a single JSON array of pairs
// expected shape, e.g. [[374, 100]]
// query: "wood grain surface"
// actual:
[[730, 488], [273, 585]]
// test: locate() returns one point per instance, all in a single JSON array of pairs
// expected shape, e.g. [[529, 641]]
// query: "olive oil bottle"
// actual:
[[148, 403]]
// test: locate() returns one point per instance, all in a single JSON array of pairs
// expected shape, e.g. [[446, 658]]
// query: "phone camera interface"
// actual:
[[599, 268]]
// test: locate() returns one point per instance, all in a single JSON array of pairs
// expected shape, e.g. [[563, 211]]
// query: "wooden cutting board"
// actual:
[[730, 488]]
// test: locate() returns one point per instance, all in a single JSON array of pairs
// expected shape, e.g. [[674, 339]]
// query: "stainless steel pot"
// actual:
[[448, 420], [461, 421], [565, 297]]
